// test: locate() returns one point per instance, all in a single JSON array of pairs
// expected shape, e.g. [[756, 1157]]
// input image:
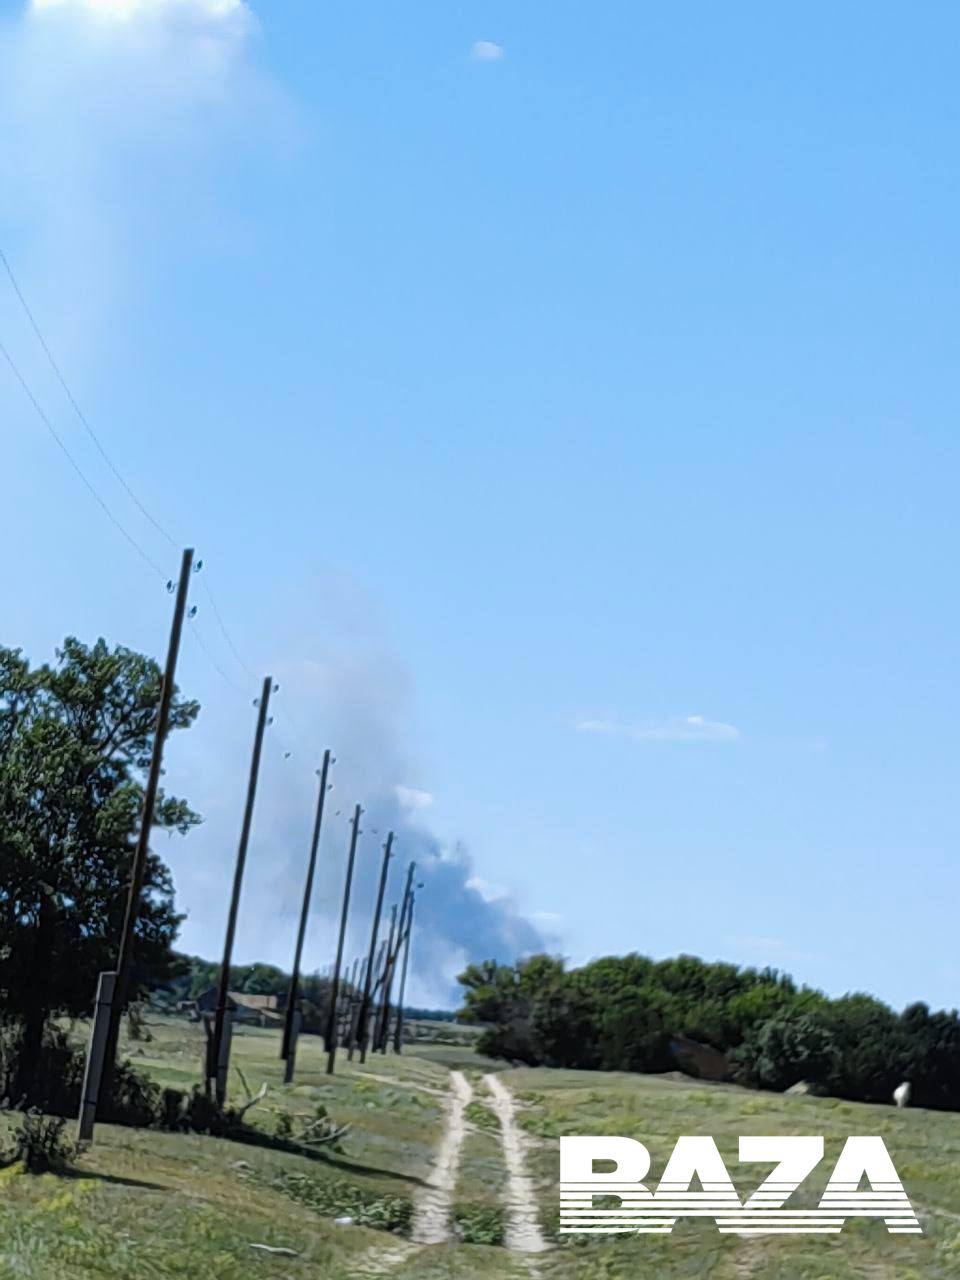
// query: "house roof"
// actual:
[[248, 1000]]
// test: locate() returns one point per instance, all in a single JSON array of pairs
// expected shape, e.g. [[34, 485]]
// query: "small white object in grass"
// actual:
[[343, 1222], [277, 1250], [901, 1094]]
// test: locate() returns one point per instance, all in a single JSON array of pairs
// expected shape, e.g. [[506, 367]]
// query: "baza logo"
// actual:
[[713, 1194]]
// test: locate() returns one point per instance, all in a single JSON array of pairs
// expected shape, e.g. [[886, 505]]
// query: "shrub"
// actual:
[[786, 1049], [479, 1224], [335, 1197], [136, 1024], [58, 1081], [39, 1145], [481, 1116]]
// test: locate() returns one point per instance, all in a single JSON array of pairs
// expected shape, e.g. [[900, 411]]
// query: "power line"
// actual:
[[285, 751], [115, 470], [226, 634], [76, 408], [213, 662], [76, 465], [235, 652]]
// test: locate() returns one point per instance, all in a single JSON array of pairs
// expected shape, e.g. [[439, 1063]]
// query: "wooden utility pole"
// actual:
[[214, 1067], [365, 1002], [350, 1030], [135, 890], [293, 994], [383, 1011], [335, 986], [392, 956], [398, 1030]]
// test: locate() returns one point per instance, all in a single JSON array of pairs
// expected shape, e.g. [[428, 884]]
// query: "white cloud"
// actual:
[[84, 86], [673, 729], [487, 891], [222, 11], [412, 799], [486, 51]]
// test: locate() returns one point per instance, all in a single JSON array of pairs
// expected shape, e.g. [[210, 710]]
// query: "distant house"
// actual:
[[247, 1008]]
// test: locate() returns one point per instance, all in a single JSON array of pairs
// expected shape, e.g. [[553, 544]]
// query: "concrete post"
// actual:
[[96, 1054], [223, 1065]]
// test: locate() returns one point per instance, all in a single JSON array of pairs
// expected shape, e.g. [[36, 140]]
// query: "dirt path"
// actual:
[[523, 1224], [399, 1082], [431, 1220]]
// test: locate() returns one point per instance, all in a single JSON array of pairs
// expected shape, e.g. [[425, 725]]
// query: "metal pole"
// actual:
[[294, 991], [335, 986], [398, 1032], [146, 824], [224, 984], [365, 1002]]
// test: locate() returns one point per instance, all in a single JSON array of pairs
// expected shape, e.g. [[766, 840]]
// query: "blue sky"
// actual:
[[568, 421]]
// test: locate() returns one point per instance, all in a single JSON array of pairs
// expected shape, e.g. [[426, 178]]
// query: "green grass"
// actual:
[[924, 1145], [145, 1205]]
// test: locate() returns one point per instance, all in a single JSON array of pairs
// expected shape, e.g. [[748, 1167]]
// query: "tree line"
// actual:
[[626, 1013]]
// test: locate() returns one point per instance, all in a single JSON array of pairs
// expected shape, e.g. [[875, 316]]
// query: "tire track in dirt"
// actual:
[[431, 1218], [523, 1233]]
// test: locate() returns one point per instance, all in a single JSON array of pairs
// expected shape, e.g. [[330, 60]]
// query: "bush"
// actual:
[[481, 1116], [479, 1224], [58, 1081], [136, 1024], [39, 1145], [788, 1048], [334, 1197]]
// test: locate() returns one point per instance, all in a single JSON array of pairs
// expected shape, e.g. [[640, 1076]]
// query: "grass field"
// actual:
[[145, 1205]]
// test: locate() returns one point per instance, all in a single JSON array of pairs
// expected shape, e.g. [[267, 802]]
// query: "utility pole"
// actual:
[[350, 1030], [392, 956], [349, 1006], [398, 1030], [335, 986], [294, 992], [365, 1002], [214, 1067], [135, 890], [384, 1011]]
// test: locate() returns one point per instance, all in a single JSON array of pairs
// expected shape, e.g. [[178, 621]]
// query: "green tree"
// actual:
[[75, 738], [790, 1047]]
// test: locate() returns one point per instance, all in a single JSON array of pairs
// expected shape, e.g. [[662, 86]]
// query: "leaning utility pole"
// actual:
[[294, 991], [214, 1066], [398, 1030], [135, 890], [335, 985], [392, 957], [365, 1002], [350, 1005], [349, 1033], [384, 1011]]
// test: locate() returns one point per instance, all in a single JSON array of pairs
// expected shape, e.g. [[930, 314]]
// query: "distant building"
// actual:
[[247, 1008]]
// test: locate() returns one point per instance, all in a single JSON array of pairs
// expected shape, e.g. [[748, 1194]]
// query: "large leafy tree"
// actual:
[[75, 739]]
